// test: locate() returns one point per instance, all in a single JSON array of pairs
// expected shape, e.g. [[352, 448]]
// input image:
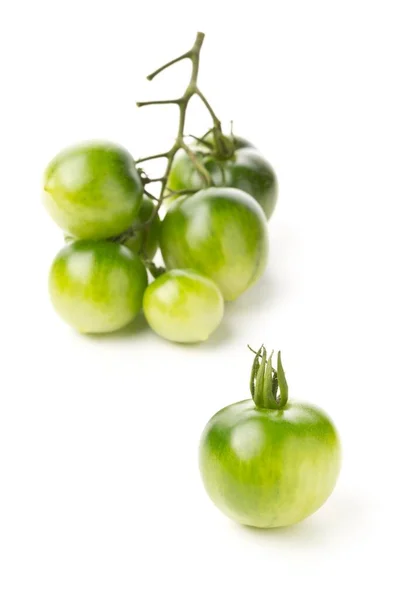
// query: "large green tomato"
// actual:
[[93, 191], [183, 306], [269, 466], [220, 232], [139, 243], [246, 170], [97, 287]]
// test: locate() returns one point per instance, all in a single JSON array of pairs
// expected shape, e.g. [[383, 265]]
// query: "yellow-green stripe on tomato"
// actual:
[[93, 190], [97, 287], [269, 462], [183, 306], [220, 232]]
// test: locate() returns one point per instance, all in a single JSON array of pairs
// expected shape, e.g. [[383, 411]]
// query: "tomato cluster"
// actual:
[[214, 241], [265, 462]]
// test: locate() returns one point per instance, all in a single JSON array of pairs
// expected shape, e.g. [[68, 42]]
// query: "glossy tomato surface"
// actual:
[[268, 467], [97, 287], [93, 190], [183, 306], [246, 170], [139, 243], [220, 232]]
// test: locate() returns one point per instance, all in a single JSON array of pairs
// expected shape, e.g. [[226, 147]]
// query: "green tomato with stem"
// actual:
[[183, 306], [97, 286], [220, 232], [93, 190], [140, 243], [244, 168], [269, 462]]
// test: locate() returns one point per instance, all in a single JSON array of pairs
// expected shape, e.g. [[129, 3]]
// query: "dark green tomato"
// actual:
[[237, 141], [220, 232], [93, 191], [246, 170], [97, 287], [150, 246], [268, 467]]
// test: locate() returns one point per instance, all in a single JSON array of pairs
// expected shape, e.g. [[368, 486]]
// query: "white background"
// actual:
[[100, 496]]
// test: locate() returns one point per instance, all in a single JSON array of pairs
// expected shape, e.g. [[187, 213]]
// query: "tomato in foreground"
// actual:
[[183, 306], [220, 232], [244, 168], [267, 462], [93, 191], [97, 287]]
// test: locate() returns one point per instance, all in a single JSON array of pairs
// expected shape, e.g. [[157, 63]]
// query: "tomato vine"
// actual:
[[223, 146]]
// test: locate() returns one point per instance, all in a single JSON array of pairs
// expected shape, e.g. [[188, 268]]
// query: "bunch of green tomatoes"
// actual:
[[213, 241], [265, 462]]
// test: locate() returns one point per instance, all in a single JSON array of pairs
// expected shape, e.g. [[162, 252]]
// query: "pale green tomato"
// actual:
[[93, 190], [220, 232], [97, 287], [183, 306]]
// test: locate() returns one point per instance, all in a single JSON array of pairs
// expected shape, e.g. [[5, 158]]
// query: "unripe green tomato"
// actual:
[[268, 467], [246, 170], [183, 306], [93, 190], [150, 246], [97, 286], [220, 232]]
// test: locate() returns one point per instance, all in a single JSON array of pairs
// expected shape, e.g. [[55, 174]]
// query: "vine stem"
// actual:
[[182, 103]]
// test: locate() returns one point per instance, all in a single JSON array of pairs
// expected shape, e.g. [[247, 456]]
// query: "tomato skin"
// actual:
[[93, 190], [183, 306], [97, 286], [267, 467], [246, 170], [220, 232], [152, 239], [239, 142]]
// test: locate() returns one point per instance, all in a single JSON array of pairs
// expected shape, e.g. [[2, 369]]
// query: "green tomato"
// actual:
[[239, 142], [97, 286], [150, 246], [183, 306], [220, 232], [93, 191], [246, 170], [269, 466]]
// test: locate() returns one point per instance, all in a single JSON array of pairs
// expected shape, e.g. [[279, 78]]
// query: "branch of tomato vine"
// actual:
[[182, 103]]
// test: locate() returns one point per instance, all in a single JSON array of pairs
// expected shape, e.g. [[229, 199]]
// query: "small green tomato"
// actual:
[[93, 190], [140, 243], [266, 462], [97, 287], [183, 306]]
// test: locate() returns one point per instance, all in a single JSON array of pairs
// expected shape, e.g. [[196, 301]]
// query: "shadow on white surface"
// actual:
[[262, 295], [134, 329], [341, 518]]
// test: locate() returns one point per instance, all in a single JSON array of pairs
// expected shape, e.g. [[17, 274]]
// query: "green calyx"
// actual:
[[217, 145], [268, 386]]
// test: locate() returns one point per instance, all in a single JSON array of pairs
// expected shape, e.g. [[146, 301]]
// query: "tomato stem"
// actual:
[[221, 143], [266, 381], [192, 90], [153, 268]]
